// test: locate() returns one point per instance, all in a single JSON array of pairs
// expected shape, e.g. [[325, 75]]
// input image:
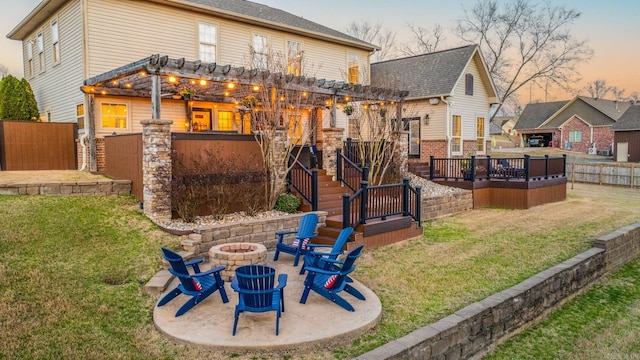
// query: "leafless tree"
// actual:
[[618, 94], [4, 71], [598, 88], [374, 34], [523, 42], [634, 98], [424, 40]]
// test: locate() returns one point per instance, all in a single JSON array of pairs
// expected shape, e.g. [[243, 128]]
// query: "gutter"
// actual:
[[447, 127]]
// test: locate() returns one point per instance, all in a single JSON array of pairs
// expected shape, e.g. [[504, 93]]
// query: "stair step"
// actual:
[[159, 282], [323, 205], [186, 256]]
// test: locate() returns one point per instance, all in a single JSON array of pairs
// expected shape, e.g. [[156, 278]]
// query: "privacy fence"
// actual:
[[621, 174]]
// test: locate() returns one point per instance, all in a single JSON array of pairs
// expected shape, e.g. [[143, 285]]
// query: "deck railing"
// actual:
[[526, 168], [379, 202], [356, 151], [348, 172], [304, 181]]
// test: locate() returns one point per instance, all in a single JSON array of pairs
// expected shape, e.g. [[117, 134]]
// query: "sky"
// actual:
[[611, 28]]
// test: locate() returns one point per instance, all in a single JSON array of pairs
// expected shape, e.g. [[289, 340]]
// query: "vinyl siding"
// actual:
[[436, 130], [57, 89]]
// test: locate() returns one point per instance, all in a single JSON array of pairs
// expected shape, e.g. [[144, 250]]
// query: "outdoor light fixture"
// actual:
[[172, 79], [434, 101], [203, 82], [426, 119], [231, 85]]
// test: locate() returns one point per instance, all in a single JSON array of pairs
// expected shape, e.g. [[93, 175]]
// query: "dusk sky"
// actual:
[[611, 28]]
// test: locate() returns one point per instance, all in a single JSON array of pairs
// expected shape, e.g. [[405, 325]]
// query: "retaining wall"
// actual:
[[443, 205], [474, 330], [101, 187]]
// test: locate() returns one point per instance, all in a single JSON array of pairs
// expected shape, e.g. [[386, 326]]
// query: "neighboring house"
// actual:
[[67, 41], [506, 123], [582, 124], [495, 129], [627, 135], [450, 93]]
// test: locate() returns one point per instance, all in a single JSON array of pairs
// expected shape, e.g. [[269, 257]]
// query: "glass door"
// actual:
[[414, 137]]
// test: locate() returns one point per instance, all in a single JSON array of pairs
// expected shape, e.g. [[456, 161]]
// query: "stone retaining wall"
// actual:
[[443, 205], [101, 187], [477, 328], [261, 231]]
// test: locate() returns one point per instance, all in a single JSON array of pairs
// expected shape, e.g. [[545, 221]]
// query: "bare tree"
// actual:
[[4, 71], [374, 34], [618, 94], [424, 40], [598, 88], [523, 42], [634, 97]]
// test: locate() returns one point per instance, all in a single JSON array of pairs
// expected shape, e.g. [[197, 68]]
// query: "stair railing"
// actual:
[[304, 181], [348, 172]]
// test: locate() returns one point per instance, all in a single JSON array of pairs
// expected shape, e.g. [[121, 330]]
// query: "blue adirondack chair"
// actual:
[[306, 230], [198, 285], [330, 282], [315, 258], [257, 293]]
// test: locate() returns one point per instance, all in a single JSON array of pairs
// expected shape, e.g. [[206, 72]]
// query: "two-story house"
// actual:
[[66, 42]]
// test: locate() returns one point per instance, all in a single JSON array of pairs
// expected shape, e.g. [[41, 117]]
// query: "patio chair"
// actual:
[[306, 231], [330, 282], [257, 293], [316, 258], [510, 171], [198, 285]]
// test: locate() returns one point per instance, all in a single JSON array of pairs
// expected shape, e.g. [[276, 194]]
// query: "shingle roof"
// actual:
[[534, 115], [494, 128], [424, 75], [264, 12], [630, 120], [611, 108], [595, 112]]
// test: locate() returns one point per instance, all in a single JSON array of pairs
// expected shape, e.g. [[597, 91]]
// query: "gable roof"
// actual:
[[536, 114], [595, 112], [429, 75], [630, 120], [238, 10], [495, 128]]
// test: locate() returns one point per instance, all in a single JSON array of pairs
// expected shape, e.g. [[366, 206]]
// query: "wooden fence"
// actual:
[[123, 160], [27, 145], [621, 174]]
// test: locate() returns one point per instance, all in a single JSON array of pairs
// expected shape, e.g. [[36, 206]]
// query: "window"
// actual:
[[55, 42], [575, 136], [353, 73], [480, 134], [30, 58], [207, 38], [114, 116], [40, 42], [294, 57], [225, 120], [468, 84], [80, 116], [456, 133], [260, 52]]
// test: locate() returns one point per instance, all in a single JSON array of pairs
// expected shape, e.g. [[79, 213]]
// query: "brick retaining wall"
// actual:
[[101, 187], [477, 328], [439, 206]]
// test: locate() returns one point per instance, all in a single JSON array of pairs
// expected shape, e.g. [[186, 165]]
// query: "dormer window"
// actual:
[[468, 84]]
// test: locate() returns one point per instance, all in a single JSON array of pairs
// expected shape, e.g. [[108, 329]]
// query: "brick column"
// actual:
[[156, 168], [401, 152], [331, 140]]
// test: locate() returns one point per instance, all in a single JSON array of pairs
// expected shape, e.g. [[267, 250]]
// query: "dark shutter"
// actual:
[[468, 89]]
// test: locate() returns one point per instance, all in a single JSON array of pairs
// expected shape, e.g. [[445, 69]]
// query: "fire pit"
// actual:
[[234, 255]]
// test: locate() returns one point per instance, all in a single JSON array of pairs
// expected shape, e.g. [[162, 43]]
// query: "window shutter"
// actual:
[[468, 90]]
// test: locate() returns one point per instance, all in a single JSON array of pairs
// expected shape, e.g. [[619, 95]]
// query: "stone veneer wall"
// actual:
[[477, 328], [261, 231], [156, 168], [443, 205], [100, 188], [332, 140]]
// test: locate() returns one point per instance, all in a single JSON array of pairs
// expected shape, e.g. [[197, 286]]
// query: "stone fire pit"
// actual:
[[234, 255]]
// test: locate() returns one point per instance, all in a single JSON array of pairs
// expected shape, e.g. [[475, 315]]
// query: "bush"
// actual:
[[287, 203]]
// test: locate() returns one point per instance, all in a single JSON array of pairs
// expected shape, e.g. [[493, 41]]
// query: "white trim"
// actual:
[[55, 60], [215, 45], [111, 101]]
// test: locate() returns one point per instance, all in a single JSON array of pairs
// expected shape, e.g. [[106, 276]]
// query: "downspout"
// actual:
[[84, 150], [447, 126]]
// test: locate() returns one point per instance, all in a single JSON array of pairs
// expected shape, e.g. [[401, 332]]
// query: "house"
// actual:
[[66, 42], [506, 123], [582, 124], [627, 135], [450, 94]]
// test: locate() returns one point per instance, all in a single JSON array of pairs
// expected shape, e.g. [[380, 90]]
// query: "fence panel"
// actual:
[[123, 160], [605, 174], [26, 145]]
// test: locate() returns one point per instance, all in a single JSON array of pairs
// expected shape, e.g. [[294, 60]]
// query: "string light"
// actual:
[[203, 82], [231, 85]]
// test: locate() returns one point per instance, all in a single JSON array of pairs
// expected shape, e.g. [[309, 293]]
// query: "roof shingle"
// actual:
[[534, 115], [630, 120]]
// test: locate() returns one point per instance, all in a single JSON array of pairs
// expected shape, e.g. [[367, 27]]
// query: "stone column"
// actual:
[[280, 159], [401, 152], [331, 140], [156, 168]]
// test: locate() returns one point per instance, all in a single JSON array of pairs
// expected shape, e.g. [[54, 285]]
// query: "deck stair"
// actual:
[[419, 168]]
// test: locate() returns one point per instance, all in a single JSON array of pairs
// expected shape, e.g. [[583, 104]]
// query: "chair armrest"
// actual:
[[311, 245], [316, 270], [210, 271], [282, 233], [193, 262], [282, 281], [322, 253], [234, 284]]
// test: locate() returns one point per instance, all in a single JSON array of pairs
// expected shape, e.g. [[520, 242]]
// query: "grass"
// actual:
[[72, 270]]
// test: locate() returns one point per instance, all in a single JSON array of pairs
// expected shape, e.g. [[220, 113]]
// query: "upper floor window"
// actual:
[[480, 135], [40, 42], [114, 115], [456, 134], [30, 58], [294, 57], [207, 39], [468, 84], [353, 66], [55, 42], [260, 51]]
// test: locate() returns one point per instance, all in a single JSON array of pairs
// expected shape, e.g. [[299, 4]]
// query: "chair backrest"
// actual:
[[348, 266], [504, 163], [308, 224], [178, 267], [256, 283], [341, 240]]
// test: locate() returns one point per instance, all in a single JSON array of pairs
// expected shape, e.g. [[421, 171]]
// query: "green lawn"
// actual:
[[72, 270]]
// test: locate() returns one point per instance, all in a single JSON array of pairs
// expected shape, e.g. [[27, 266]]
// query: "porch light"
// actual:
[[434, 101], [426, 119], [172, 79]]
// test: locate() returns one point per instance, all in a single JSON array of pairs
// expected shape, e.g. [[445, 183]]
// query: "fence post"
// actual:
[[346, 214], [365, 173], [314, 189], [546, 166], [339, 164], [363, 203], [473, 168], [489, 167], [419, 205], [349, 149], [431, 158], [564, 165], [527, 164], [405, 197]]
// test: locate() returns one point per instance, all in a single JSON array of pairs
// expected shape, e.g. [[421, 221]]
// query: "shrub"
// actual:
[[287, 203]]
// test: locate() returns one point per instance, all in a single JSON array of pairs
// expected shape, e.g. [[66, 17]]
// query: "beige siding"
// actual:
[[57, 89]]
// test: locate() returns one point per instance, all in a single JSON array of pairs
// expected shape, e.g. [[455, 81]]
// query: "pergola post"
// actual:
[[332, 122], [156, 93], [91, 131]]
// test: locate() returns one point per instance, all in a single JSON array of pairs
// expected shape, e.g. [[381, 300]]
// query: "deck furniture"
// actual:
[[509, 171], [198, 285], [315, 258], [306, 231]]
